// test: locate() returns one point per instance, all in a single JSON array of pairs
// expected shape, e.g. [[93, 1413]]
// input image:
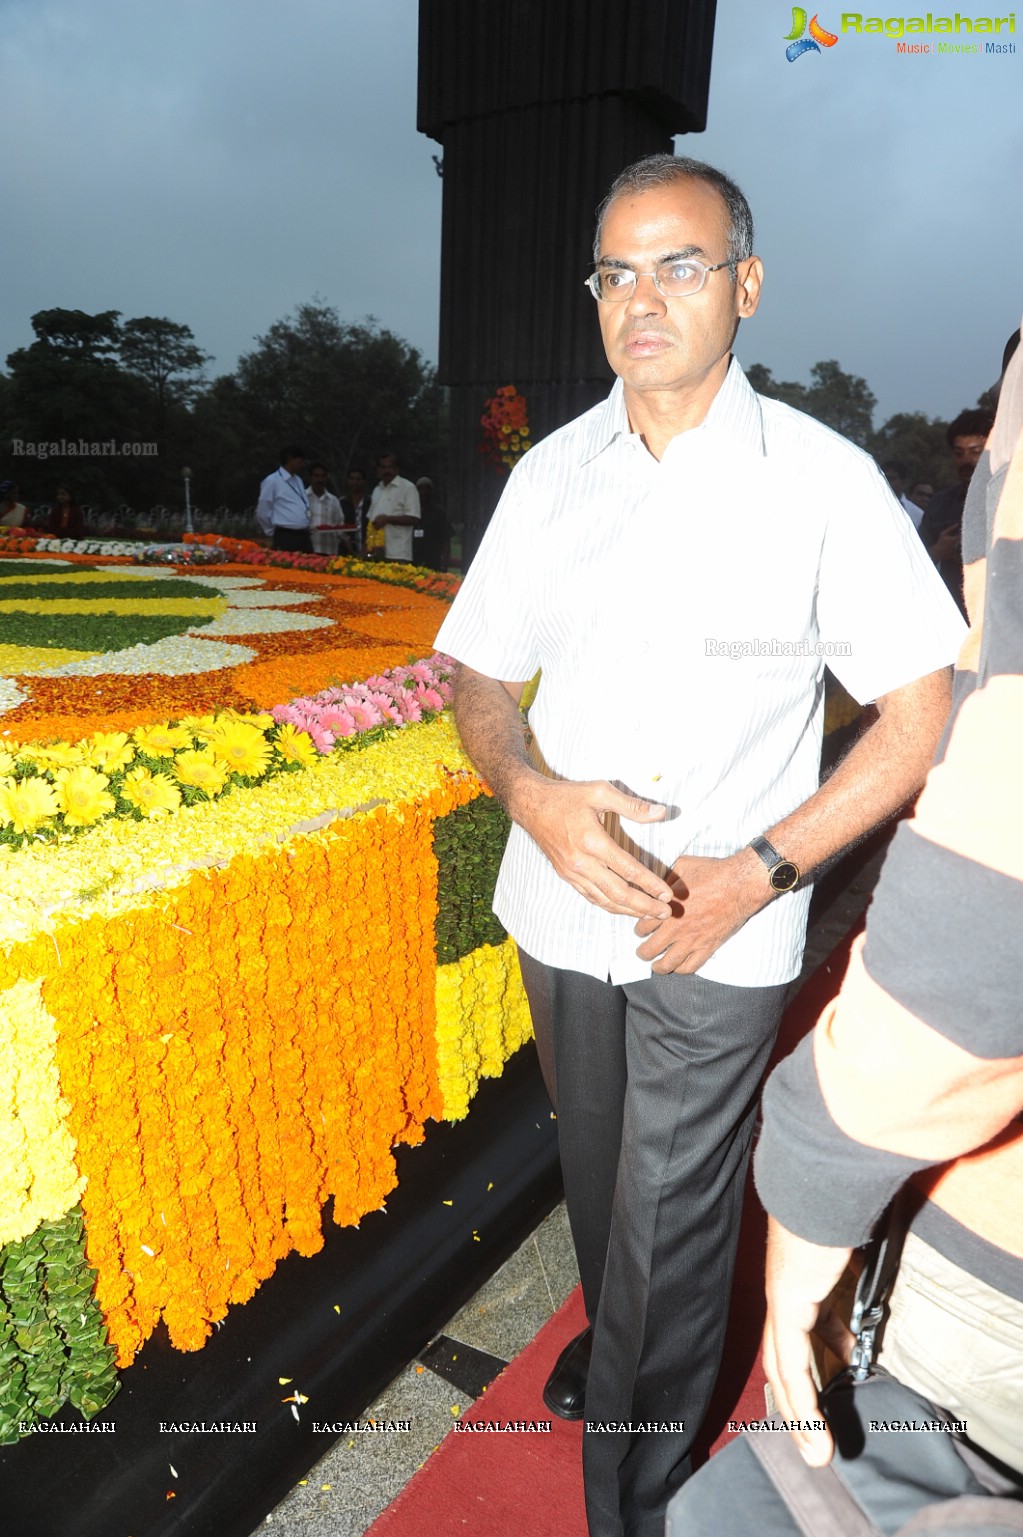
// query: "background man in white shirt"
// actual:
[[325, 515], [395, 509], [678, 561], [282, 511]]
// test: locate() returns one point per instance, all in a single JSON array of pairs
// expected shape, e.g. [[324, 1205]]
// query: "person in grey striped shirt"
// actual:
[[678, 562]]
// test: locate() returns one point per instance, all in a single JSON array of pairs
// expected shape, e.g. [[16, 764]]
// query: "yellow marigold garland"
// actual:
[[38, 1178], [482, 1018]]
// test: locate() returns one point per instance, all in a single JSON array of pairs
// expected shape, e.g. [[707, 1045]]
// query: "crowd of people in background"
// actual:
[[300, 507], [399, 521]]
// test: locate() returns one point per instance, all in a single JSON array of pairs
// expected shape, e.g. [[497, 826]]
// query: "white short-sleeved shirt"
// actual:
[[683, 611], [399, 499], [325, 520]]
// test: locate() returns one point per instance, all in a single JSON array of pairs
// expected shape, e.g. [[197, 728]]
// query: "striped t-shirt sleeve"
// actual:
[[920, 1058]]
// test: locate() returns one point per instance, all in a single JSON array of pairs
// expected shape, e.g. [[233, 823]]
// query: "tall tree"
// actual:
[[89, 378], [919, 442], [74, 335], [839, 400], [764, 382], [67, 384], [345, 391], [842, 401], [164, 355]]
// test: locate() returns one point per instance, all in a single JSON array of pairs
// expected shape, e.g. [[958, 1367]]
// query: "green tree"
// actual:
[[345, 391], [918, 441], [165, 357], [228, 451], [764, 382], [842, 401], [92, 378], [68, 384], [74, 335]]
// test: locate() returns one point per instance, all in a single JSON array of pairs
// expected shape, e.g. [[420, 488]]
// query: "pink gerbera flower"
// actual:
[[385, 704], [342, 723], [409, 707], [330, 714], [323, 740], [364, 714]]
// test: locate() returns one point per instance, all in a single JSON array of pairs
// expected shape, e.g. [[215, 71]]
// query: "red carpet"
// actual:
[[512, 1485], [521, 1484]]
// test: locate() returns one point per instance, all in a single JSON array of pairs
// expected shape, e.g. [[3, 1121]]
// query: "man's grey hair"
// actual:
[[664, 171]]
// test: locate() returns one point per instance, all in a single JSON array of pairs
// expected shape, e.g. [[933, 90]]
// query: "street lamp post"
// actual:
[[187, 477]]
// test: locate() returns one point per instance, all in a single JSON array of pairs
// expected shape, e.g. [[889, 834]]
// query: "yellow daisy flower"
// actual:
[[83, 796], [201, 727], [242, 747], [189, 724], [297, 746], [110, 750], [153, 794], [7, 762], [58, 755], [160, 741], [28, 804], [199, 768]]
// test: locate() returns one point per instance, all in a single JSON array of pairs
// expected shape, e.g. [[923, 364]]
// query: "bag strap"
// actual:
[[880, 1262], [970, 1515], [816, 1498]]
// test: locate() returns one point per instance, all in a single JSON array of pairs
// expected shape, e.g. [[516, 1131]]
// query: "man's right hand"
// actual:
[[946, 546], [565, 818]]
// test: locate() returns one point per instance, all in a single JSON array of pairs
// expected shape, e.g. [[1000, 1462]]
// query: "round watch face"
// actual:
[[784, 875]]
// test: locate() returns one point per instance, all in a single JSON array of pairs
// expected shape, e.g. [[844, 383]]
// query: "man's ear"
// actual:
[[749, 280]]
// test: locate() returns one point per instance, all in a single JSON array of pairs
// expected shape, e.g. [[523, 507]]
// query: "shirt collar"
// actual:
[[734, 412]]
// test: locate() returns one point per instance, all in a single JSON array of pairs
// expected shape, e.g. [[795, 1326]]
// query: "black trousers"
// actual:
[[655, 1084], [298, 539]]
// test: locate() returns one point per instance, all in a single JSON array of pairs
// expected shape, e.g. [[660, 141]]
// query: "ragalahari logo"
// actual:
[[798, 44]]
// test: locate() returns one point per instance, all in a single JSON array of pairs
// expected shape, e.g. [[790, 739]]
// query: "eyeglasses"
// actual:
[[673, 279]]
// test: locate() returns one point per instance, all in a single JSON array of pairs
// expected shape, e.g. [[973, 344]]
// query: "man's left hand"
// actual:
[[714, 899], [800, 1277]]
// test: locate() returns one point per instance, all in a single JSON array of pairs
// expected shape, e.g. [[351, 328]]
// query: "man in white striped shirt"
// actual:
[[679, 562]]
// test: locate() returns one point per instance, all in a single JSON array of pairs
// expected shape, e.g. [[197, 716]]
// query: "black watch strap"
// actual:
[[767, 852]]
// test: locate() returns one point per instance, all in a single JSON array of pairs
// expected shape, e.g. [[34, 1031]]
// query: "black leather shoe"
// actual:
[[565, 1391]]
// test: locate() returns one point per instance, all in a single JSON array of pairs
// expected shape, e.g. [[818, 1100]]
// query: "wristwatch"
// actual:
[[782, 873]]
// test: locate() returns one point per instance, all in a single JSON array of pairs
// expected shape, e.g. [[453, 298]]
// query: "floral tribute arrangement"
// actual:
[[92, 644], [244, 953], [505, 428]]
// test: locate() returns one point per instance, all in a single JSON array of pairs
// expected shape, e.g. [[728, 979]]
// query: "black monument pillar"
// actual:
[[538, 105]]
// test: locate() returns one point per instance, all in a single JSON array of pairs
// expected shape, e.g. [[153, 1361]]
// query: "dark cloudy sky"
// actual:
[[219, 161]]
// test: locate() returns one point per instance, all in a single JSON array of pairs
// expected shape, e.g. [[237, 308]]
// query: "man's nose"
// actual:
[[647, 298]]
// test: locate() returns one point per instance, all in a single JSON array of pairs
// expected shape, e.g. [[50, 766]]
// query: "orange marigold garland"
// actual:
[[225, 1050]]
